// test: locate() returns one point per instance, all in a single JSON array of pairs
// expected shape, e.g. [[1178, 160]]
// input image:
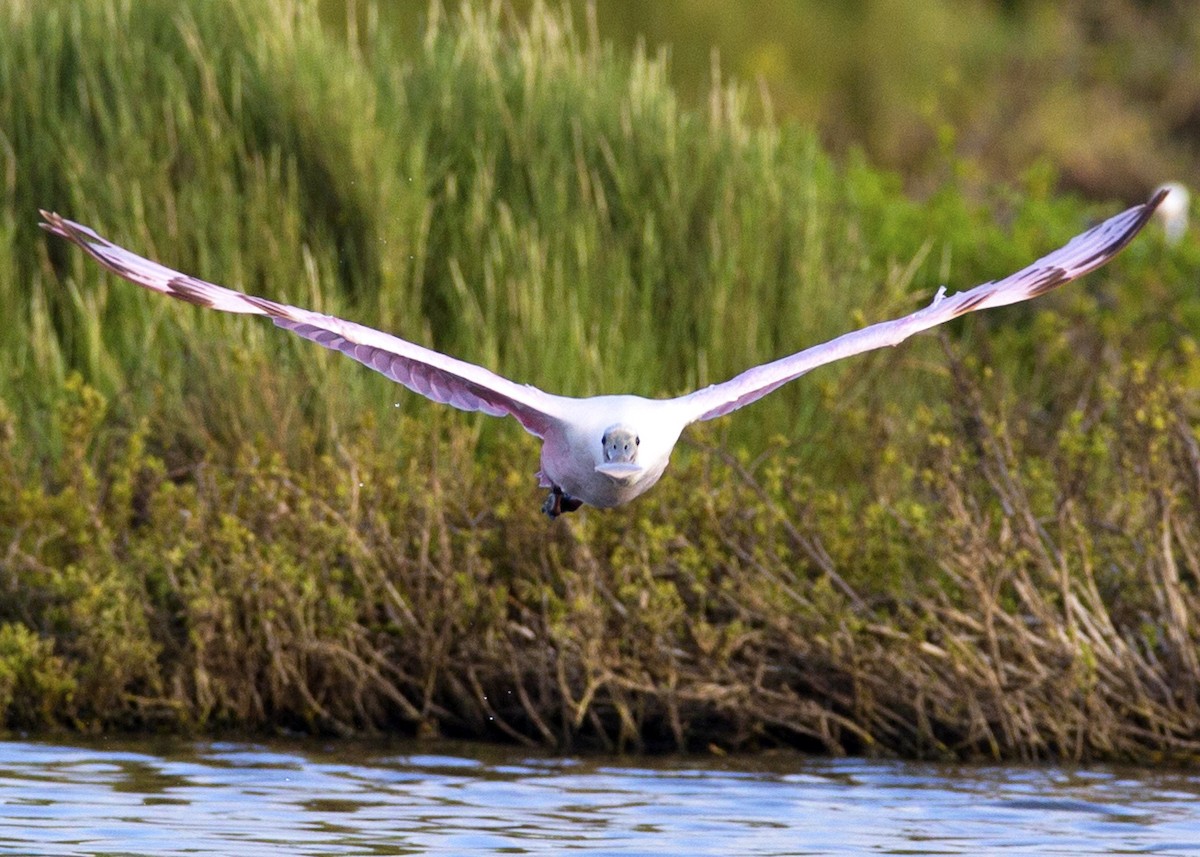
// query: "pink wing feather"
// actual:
[[434, 375], [1083, 253]]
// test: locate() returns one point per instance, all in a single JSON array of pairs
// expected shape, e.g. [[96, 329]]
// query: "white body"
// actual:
[[573, 460], [576, 461]]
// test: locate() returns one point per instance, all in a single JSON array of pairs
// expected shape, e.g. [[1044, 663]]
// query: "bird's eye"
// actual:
[[637, 441]]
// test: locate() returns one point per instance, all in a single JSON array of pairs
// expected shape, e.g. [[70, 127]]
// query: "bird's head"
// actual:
[[619, 446]]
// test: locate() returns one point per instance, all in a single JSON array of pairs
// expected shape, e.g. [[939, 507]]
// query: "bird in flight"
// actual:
[[605, 450]]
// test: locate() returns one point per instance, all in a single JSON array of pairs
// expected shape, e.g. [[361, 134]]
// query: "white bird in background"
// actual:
[[605, 450], [1174, 211]]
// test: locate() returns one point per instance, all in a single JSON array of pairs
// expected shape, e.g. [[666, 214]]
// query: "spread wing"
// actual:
[[1081, 254], [430, 373]]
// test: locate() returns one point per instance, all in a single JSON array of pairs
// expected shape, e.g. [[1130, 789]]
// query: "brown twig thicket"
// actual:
[[990, 593]]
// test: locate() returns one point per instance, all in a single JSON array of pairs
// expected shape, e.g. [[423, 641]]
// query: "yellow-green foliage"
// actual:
[[206, 523], [1004, 593]]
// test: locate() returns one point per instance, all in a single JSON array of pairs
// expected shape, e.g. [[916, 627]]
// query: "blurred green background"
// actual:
[[1108, 91]]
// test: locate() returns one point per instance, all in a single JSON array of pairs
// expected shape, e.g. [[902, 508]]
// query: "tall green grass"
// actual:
[[211, 523], [518, 196], [1109, 94]]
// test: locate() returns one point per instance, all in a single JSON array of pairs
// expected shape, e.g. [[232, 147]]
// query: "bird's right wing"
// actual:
[[1083, 253], [434, 375]]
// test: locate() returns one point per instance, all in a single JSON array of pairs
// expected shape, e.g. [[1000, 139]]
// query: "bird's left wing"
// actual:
[[1081, 254], [432, 374]]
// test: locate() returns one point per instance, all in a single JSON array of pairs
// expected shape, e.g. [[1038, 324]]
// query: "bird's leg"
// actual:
[[559, 502], [570, 504]]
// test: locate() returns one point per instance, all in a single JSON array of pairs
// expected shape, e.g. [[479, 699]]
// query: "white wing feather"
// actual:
[[1081, 254], [473, 388], [430, 373]]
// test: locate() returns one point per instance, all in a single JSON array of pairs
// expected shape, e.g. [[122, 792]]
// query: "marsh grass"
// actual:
[[206, 524]]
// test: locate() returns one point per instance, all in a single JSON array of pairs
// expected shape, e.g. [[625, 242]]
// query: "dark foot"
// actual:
[[557, 503]]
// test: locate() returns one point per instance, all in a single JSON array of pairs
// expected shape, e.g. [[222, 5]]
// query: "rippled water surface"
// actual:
[[245, 799]]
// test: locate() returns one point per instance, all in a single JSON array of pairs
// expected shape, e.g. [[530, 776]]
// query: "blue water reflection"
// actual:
[[230, 798]]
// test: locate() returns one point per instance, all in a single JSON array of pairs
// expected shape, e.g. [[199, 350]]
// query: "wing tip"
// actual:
[[1142, 215], [1146, 210], [53, 222], [1156, 199], [77, 233], [1137, 216]]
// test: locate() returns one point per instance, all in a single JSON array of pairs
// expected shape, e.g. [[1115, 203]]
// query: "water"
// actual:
[[253, 799]]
